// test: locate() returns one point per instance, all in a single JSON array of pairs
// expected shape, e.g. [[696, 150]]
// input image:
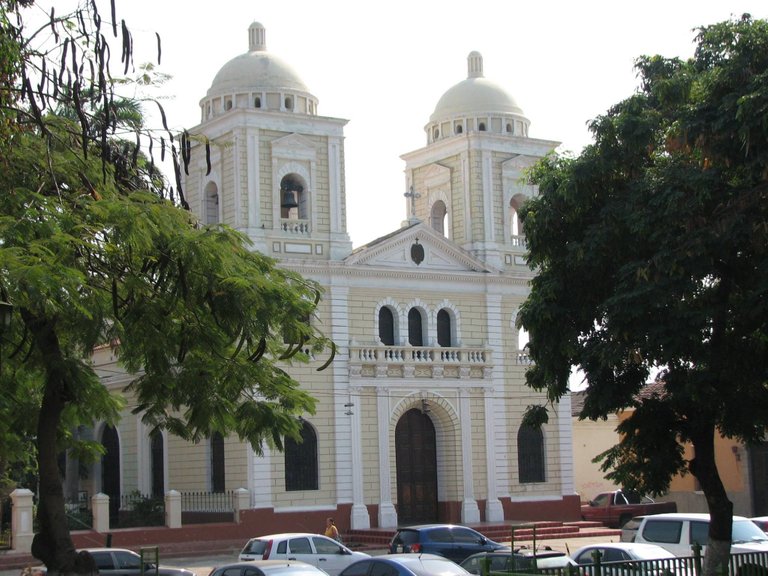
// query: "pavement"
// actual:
[[202, 565]]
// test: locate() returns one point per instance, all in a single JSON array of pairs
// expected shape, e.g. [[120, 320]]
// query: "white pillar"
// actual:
[[470, 513], [387, 513], [360, 518], [173, 509], [100, 508], [242, 502], [22, 531]]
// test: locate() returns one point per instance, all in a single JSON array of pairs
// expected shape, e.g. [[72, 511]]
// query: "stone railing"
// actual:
[[294, 226], [418, 361]]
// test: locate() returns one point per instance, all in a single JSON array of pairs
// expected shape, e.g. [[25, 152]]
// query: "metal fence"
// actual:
[[208, 501], [740, 564]]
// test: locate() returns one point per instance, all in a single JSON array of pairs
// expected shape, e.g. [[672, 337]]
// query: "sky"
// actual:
[[383, 66]]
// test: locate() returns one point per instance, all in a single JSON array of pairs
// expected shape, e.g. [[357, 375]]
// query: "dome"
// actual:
[[256, 70], [475, 95]]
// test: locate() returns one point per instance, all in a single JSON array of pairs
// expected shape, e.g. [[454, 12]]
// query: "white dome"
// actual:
[[256, 70], [475, 95]]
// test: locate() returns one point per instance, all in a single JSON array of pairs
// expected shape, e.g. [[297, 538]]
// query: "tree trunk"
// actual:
[[53, 544], [720, 507]]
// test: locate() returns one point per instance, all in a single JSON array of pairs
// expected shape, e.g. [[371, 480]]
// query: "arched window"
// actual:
[[530, 454], [438, 217], [481, 127], [443, 328], [217, 462], [157, 463], [415, 327], [257, 102], [288, 103], [294, 200], [301, 461], [386, 326], [211, 203]]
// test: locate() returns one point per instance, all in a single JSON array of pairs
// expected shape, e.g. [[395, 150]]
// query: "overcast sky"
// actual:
[[384, 65]]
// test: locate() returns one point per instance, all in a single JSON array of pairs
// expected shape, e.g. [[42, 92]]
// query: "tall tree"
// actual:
[[651, 251], [95, 251]]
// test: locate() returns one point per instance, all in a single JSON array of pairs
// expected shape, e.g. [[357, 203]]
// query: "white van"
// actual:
[[677, 532]]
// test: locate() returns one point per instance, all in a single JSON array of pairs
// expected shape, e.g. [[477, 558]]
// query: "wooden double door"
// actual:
[[416, 465]]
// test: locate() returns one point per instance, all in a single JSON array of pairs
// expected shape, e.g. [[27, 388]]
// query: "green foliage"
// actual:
[[141, 510], [651, 249], [94, 251]]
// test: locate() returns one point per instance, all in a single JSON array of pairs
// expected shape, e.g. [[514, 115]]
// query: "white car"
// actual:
[[316, 549], [612, 553]]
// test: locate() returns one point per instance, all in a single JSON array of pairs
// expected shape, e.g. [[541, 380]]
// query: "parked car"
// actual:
[[762, 523], [315, 549], [121, 562], [449, 540], [267, 568], [405, 565], [613, 556], [615, 508], [678, 532], [521, 559]]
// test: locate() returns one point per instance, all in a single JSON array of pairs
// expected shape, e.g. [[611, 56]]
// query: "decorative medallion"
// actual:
[[417, 253]]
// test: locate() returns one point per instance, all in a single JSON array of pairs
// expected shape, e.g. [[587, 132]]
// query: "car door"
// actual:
[[465, 543], [330, 555], [104, 562], [299, 548], [127, 563]]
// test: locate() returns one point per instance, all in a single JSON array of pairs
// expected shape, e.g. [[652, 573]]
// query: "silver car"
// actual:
[[315, 549]]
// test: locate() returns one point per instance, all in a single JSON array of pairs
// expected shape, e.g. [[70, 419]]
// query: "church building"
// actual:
[[419, 416]]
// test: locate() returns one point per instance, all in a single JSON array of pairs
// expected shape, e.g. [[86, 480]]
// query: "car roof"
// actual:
[[104, 549], [429, 526], [284, 535], [265, 563], [619, 545], [527, 552], [702, 516], [409, 558]]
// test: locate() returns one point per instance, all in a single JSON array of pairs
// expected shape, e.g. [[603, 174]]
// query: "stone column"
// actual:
[[387, 512], [22, 531], [242, 502], [173, 509], [100, 508], [470, 513]]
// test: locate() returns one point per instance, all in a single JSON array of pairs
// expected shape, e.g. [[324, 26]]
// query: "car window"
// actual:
[[586, 557], [665, 531], [433, 566], [325, 546], [465, 536], [407, 537], [250, 571], [613, 555], [358, 568], [255, 547], [103, 560], [699, 532], [282, 546], [127, 561], [231, 572], [499, 562], [440, 535], [383, 569], [299, 546]]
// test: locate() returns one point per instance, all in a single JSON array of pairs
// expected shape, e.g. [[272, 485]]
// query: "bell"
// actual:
[[289, 199]]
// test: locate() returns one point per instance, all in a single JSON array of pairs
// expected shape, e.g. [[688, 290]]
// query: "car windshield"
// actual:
[[747, 531], [436, 567], [654, 553], [255, 547]]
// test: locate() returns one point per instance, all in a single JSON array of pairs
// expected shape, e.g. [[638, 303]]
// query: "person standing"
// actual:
[[330, 529]]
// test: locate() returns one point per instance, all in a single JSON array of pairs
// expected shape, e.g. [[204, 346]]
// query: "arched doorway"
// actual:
[[110, 471], [416, 464]]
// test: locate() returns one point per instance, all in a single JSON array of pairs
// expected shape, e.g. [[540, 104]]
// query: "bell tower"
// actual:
[[276, 168], [468, 181]]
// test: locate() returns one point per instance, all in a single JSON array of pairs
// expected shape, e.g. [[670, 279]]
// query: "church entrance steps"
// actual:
[[521, 533]]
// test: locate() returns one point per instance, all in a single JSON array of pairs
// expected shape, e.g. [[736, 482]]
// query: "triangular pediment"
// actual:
[[294, 146], [416, 247]]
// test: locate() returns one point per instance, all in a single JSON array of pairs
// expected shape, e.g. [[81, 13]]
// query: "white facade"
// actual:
[[419, 414]]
